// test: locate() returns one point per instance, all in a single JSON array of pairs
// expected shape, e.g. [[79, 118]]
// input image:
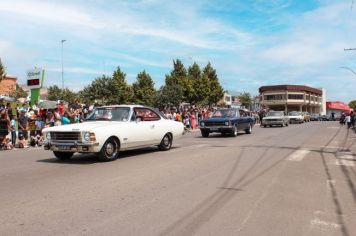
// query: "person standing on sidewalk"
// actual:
[[23, 124], [13, 130], [353, 119], [348, 121]]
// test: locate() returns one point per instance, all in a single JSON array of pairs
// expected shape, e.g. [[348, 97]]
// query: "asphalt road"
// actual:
[[296, 180]]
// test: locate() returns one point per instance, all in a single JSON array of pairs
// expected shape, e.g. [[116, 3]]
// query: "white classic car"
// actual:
[[296, 117], [275, 118], [110, 129]]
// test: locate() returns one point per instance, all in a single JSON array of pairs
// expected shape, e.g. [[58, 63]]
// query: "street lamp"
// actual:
[[349, 69], [62, 41]]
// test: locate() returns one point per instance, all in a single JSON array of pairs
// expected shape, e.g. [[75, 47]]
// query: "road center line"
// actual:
[[298, 155]]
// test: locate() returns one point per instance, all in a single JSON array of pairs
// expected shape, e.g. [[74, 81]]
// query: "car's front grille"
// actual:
[[214, 123], [273, 119], [65, 136]]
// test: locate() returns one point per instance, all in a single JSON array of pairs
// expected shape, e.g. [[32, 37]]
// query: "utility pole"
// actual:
[[62, 41]]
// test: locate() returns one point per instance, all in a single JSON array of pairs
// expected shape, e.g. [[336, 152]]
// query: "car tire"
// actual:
[[234, 131], [249, 130], [265, 126], [110, 150], [205, 134], [63, 155], [166, 143]]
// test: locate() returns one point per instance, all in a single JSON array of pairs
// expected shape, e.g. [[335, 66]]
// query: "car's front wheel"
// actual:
[[249, 130], [166, 143], [63, 155], [234, 131], [205, 134], [110, 150]]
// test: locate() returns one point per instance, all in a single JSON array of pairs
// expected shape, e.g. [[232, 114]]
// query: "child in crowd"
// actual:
[[39, 125], [22, 141], [7, 144], [36, 141]]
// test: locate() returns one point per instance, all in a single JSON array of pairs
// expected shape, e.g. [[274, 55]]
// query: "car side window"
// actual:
[[146, 114]]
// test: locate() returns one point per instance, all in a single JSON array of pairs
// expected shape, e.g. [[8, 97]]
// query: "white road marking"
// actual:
[[321, 223], [298, 155], [345, 159]]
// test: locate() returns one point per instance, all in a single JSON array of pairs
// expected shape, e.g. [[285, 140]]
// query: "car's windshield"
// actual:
[[225, 113], [275, 113], [294, 113], [110, 114]]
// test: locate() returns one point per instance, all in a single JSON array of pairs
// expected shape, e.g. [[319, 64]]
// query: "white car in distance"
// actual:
[[110, 129], [296, 117]]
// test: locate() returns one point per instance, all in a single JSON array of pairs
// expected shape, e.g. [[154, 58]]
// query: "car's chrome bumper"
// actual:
[[226, 128], [269, 122], [71, 146]]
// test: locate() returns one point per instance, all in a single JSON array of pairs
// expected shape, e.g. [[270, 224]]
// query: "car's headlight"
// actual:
[[202, 124], [86, 136], [48, 136], [227, 123]]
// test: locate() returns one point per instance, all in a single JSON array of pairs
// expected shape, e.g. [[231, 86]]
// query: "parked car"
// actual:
[[306, 116], [315, 117], [110, 129], [227, 121], [325, 118], [295, 117], [275, 118]]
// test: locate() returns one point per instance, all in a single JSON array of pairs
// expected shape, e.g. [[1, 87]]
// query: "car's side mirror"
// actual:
[[139, 118]]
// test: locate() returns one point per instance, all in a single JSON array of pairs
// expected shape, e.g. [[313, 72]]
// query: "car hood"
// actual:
[[86, 126], [216, 119], [298, 117]]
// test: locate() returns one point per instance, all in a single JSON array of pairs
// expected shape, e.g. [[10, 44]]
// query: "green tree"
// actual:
[[194, 77], [245, 99], [352, 104], [143, 90], [19, 92], [101, 90], [123, 92], [170, 95], [55, 93], [216, 90], [179, 76], [2, 71]]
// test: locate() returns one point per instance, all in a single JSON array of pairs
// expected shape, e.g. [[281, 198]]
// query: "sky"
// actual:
[[250, 43]]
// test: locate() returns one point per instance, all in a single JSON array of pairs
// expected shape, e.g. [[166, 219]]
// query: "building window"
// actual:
[[275, 97], [296, 96]]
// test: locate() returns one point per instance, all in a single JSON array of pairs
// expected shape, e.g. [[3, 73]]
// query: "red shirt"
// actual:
[[61, 109]]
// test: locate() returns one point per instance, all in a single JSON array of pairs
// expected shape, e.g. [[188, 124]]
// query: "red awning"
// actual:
[[338, 106]]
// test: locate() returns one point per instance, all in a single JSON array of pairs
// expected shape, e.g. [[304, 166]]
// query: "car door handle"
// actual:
[[152, 126]]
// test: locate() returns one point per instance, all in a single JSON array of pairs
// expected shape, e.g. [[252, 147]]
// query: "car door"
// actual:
[[242, 120], [149, 124]]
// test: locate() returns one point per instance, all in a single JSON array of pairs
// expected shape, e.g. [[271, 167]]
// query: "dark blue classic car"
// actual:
[[227, 121]]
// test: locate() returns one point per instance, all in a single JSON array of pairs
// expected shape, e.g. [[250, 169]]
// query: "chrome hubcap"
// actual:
[[166, 140], [110, 148]]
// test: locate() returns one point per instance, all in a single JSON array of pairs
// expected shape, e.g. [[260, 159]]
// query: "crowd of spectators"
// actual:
[[21, 125]]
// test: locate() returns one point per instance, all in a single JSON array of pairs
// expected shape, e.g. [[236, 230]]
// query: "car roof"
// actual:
[[122, 105]]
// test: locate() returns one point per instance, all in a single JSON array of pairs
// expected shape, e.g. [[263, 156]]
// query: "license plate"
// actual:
[[214, 129], [64, 148]]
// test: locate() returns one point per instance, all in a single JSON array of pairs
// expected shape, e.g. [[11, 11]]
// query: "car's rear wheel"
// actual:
[[110, 150], [63, 155], [166, 142], [204, 133], [249, 130]]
